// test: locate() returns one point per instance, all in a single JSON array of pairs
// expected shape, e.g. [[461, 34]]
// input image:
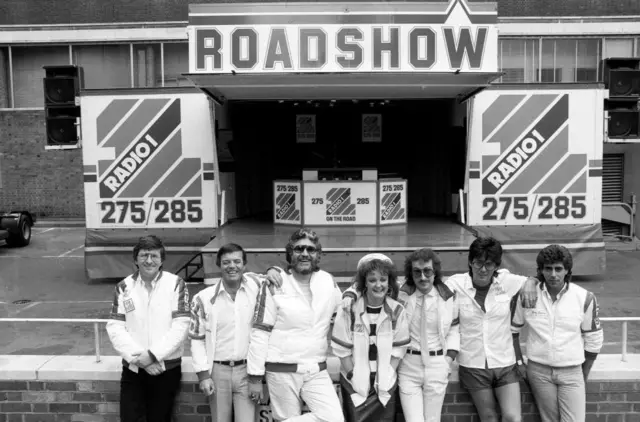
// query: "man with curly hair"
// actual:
[[563, 340], [289, 338]]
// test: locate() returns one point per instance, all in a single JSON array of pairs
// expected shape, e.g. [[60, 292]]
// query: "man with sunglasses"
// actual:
[[147, 326], [289, 339], [487, 361]]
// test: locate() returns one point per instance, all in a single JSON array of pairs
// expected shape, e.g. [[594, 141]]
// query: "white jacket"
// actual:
[[204, 317], [448, 319], [350, 337], [286, 329], [157, 322], [563, 332]]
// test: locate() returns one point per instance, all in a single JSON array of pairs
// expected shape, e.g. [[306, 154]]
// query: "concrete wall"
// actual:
[[30, 12], [76, 388], [631, 172], [46, 183]]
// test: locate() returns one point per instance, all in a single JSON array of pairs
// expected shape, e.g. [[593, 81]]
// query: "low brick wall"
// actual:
[[76, 388]]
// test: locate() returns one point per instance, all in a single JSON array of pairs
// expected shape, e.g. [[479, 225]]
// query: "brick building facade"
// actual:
[[126, 44]]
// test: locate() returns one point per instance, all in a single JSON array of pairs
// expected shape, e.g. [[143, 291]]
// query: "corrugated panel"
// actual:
[[612, 188]]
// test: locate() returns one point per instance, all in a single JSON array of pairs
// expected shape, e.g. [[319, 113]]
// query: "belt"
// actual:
[[431, 352], [231, 363], [288, 367]]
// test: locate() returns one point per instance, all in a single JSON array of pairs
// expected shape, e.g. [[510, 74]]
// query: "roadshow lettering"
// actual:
[[346, 48]]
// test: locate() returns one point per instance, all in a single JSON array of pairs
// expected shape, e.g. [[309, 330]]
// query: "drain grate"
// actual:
[[21, 301]]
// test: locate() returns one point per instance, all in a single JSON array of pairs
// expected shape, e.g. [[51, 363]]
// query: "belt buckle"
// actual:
[[232, 363]]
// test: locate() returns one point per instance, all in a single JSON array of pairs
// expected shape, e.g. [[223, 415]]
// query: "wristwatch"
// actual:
[[519, 362]]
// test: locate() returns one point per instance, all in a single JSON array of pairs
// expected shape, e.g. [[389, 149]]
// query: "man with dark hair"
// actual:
[[563, 340], [432, 312], [147, 326], [487, 361], [221, 317], [289, 339]]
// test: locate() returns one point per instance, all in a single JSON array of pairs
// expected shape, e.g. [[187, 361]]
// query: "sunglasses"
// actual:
[[488, 265], [428, 272], [301, 248]]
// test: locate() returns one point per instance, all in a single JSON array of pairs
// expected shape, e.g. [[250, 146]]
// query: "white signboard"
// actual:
[[536, 157], [393, 202], [148, 161], [340, 203], [379, 37], [287, 201]]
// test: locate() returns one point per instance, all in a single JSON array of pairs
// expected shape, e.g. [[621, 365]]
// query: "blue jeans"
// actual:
[[559, 392]]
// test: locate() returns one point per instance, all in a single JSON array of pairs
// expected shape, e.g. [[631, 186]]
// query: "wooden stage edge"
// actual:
[[260, 236]]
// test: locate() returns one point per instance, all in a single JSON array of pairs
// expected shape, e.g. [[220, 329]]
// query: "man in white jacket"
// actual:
[[221, 318], [289, 339], [147, 326]]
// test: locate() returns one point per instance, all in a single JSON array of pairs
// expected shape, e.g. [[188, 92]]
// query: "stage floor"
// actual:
[[258, 236]]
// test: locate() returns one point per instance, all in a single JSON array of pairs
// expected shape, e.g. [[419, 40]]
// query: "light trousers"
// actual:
[[231, 400], [288, 390], [422, 388], [559, 392]]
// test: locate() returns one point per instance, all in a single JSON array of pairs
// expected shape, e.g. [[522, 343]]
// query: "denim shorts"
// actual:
[[474, 379]]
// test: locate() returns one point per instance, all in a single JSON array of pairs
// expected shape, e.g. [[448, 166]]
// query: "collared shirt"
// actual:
[[560, 331], [415, 329], [139, 282], [233, 323], [485, 337]]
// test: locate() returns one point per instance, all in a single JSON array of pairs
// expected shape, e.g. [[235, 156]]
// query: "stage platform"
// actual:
[[342, 247]]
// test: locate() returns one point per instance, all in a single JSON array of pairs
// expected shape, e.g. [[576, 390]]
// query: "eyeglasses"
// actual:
[[301, 248], [144, 256], [488, 265], [428, 272]]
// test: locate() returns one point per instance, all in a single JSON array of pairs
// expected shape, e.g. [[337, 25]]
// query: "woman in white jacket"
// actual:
[[371, 339]]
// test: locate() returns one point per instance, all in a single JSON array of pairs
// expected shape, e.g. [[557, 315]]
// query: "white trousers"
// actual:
[[422, 389], [288, 390]]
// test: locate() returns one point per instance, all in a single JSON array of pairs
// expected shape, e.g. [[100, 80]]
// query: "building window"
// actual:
[[519, 59], [176, 62], [618, 47], [147, 65], [570, 60], [5, 80], [588, 60], [27, 63], [104, 66]]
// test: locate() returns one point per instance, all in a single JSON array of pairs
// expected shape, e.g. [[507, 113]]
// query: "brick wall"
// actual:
[[26, 12], [46, 183], [92, 401]]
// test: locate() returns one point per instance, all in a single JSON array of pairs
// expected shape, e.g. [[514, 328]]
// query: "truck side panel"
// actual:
[[148, 169], [535, 171]]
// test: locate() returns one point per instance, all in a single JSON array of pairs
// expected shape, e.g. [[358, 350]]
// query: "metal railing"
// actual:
[[97, 335]]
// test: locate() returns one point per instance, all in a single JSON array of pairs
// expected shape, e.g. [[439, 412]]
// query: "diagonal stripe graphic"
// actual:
[[528, 113], [511, 164], [282, 198], [291, 210], [176, 180], [155, 168], [497, 111], [580, 185], [351, 210], [295, 216], [343, 206], [131, 128], [395, 213], [335, 193], [541, 165], [103, 165], [571, 166], [195, 190], [110, 117]]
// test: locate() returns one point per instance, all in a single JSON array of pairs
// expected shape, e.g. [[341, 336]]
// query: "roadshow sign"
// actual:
[[343, 37]]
